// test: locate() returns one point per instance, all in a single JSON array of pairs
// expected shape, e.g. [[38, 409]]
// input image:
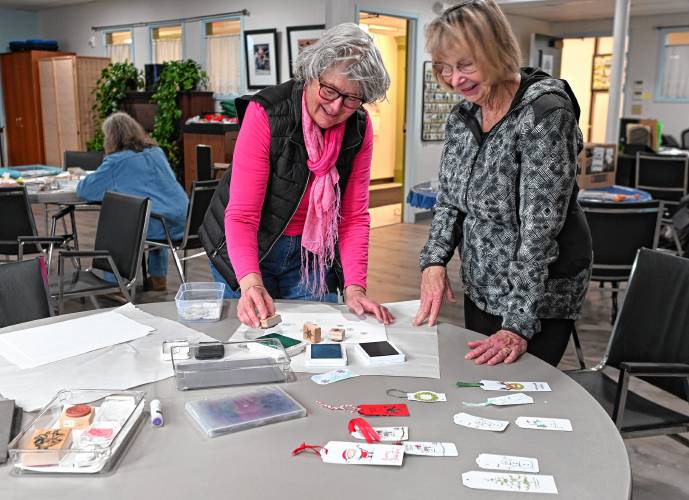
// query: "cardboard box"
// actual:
[[596, 166]]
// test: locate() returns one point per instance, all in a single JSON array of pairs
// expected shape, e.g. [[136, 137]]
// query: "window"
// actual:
[[118, 46], [673, 84], [166, 43], [223, 56]]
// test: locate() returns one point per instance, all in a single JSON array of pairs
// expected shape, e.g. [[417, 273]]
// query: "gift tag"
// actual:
[[426, 396], [386, 433], [510, 399], [480, 423], [498, 385], [389, 410], [543, 423], [507, 462], [333, 376], [430, 449], [341, 452], [501, 481]]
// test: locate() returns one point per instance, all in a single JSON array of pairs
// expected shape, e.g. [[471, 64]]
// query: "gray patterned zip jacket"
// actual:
[[507, 200]]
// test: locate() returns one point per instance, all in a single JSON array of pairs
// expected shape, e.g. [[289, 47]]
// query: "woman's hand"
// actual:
[[503, 346], [359, 304], [255, 303], [434, 286]]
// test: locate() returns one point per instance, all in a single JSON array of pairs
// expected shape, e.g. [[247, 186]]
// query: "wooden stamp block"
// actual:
[[312, 332], [271, 321], [337, 334], [51, 442], [77, 417]]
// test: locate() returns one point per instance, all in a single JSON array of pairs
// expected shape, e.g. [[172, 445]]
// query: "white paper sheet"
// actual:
[[41, 345], [117, 367], [418, 343], [366, 329]]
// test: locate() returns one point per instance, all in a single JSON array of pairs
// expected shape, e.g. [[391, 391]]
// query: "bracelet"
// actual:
[[252, 286]]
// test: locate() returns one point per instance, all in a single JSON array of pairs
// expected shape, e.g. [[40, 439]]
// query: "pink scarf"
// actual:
[[320, 227]]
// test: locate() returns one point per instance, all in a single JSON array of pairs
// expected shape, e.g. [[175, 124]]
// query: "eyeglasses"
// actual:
[[446, 70], [330, 94]]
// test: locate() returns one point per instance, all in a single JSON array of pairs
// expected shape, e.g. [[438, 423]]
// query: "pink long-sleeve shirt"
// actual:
[[250, 171]]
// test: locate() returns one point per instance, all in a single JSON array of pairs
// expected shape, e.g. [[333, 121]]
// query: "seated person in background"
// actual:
[[135, 165]]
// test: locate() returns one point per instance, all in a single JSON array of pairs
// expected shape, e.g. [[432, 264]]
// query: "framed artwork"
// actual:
[[262, 58], [602, 69], [300, 37], [436, 106]]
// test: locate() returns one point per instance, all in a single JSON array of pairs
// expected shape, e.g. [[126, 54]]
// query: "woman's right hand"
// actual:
[[434, 286], [255, 303]]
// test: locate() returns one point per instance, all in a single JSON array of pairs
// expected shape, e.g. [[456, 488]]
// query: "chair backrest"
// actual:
[[665, 177], [201, 195], [638, 134], [23, 292], [669, 141], [685, 139], [121, 230], [86, 160], [204, 163], [618, 231], [652, 323], [17, 220]]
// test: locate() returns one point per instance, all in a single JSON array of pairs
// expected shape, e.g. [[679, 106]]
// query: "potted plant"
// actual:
[[115, 80]]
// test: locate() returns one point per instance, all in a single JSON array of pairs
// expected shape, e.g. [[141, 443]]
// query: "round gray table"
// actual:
[[179, 462]]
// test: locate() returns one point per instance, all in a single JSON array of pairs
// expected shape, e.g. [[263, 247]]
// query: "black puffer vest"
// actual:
[[288, 177]]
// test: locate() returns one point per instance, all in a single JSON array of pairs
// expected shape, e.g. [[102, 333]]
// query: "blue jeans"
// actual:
[[281, 273], [157, 265]]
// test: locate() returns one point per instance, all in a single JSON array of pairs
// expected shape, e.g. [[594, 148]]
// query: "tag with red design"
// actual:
[[388, 410]]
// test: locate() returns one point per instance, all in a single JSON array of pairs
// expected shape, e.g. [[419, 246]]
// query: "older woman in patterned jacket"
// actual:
[[508, 193]]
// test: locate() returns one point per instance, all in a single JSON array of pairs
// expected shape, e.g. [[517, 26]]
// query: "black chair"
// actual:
[[23, 292], [201, 194], [118, 248], [665, 178], [18, 233], [685, 139], [85, 160], [625, 174], [204, 163], [669, 141], [650, 341], [618, 231]]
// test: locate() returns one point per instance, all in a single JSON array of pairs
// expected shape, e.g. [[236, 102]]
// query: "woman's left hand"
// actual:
[[359, 304], [503, 346]]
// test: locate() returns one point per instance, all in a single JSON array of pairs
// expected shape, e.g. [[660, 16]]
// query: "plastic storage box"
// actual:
[[200, 302], [216, 364], [56, 443]]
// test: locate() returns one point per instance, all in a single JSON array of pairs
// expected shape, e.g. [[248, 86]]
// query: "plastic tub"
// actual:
[[200, 302]]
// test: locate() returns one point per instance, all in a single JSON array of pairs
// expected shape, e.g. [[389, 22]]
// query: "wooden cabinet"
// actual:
[[67, 99], [220, 138], [22, 98]]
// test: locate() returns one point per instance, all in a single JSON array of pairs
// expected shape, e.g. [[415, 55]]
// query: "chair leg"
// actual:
[[144, 272], [94, 301], [178, 264], [614, 307], [577, 348], [678, 244], [680, 439]]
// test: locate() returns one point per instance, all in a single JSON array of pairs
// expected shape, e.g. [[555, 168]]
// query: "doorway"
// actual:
[[585, 62], [389, 117]]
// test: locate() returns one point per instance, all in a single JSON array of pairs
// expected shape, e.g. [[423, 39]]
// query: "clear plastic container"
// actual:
[[216, 364], [200, 302], [93, 449]]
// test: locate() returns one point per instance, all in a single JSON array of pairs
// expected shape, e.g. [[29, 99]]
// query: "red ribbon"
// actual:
[[308, 448], [368, 432]]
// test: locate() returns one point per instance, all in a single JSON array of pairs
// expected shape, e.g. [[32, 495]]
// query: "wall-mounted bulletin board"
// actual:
[[436, 106]]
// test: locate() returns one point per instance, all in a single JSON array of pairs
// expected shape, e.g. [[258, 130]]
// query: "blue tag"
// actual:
[[326, 351]]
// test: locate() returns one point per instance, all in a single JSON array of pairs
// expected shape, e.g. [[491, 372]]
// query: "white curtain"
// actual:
[[676, 73], [120, 52], [167, 50], [222, 63]]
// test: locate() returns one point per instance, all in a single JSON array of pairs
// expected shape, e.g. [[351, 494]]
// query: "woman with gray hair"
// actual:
[[134, 164], [296, 223]]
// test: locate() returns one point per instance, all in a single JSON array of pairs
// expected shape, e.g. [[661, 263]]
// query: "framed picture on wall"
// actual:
[[300, 37], [262, 58]]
